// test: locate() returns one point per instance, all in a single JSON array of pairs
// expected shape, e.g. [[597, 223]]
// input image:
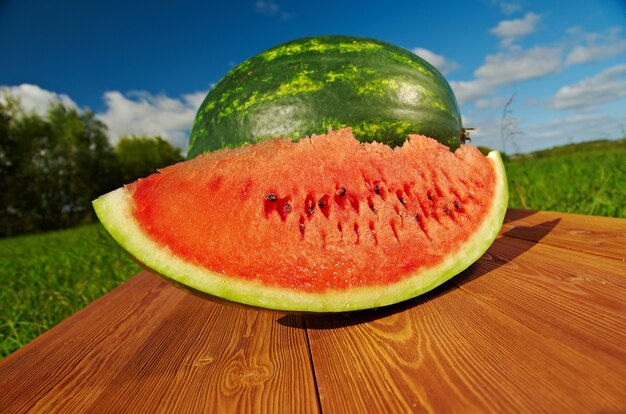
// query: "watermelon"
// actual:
[[382, 91], [322, 224]]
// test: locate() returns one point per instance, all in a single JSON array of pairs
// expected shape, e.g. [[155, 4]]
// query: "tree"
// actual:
[[139, 156], [24, 157], [6, 145], [53, 167], [86, 160]]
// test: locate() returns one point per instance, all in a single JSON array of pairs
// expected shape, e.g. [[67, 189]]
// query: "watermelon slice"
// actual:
[[324, 224]]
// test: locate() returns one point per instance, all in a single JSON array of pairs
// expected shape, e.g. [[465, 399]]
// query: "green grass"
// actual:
[[45, 278], [585, 178]]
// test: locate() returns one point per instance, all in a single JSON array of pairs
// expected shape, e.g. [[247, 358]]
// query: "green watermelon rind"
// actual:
[[115, 212], [307, 85]]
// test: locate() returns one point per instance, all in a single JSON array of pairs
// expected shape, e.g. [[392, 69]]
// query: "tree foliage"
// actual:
[[53, 166], [139, 156]]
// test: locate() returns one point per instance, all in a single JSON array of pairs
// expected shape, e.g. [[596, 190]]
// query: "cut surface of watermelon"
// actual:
[[325, 224]]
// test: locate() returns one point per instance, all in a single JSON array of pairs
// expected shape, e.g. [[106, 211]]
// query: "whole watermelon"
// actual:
[[383, 92]]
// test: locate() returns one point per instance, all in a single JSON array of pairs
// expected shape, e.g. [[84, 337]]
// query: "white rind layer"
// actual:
[[115, 212]]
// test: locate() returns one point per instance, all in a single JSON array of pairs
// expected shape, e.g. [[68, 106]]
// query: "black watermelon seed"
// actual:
[[341, 192], [309, 204], [271, 197], [321, 203], [457, 204]]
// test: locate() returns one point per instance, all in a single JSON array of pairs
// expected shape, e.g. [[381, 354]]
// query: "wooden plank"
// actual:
[[452, 352], [149, 347], [575, 298], [604, 236], [34, 377]]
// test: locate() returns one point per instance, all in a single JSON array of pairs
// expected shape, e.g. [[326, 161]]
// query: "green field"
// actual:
[[587, 178], [45, 278]]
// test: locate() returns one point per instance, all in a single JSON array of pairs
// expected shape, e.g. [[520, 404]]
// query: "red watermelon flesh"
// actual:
[[324, 219]]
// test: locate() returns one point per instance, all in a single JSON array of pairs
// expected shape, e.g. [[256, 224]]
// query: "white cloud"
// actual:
[[511, 30], [506, 68], [267, 7], [125, 114], [515, 64], [271, 8], [576, 121], [444, 65], [575, 128], [195, 99], [468, 91], [507, 6], [35, 99], [608, 85], [598, 46], [496, 102], [142, 113]]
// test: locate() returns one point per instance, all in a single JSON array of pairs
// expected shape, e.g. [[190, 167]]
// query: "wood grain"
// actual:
[[452, 352], [575, 298], [59, 361], [150, 347], [603, 236]]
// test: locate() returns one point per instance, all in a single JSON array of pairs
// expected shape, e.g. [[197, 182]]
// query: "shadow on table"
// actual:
[[505, 249], [490, 261], [342, 320], [514, 214]]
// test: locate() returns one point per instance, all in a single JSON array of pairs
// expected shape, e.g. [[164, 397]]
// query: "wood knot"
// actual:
[[253, 375], [203, 360]]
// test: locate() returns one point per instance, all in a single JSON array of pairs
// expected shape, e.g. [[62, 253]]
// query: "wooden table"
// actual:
[[536, 325]]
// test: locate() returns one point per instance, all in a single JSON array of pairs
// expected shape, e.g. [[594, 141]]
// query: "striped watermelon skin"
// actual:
[[303, 87]]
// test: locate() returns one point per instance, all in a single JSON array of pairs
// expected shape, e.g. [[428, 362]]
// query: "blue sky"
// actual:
[[145, 66]]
